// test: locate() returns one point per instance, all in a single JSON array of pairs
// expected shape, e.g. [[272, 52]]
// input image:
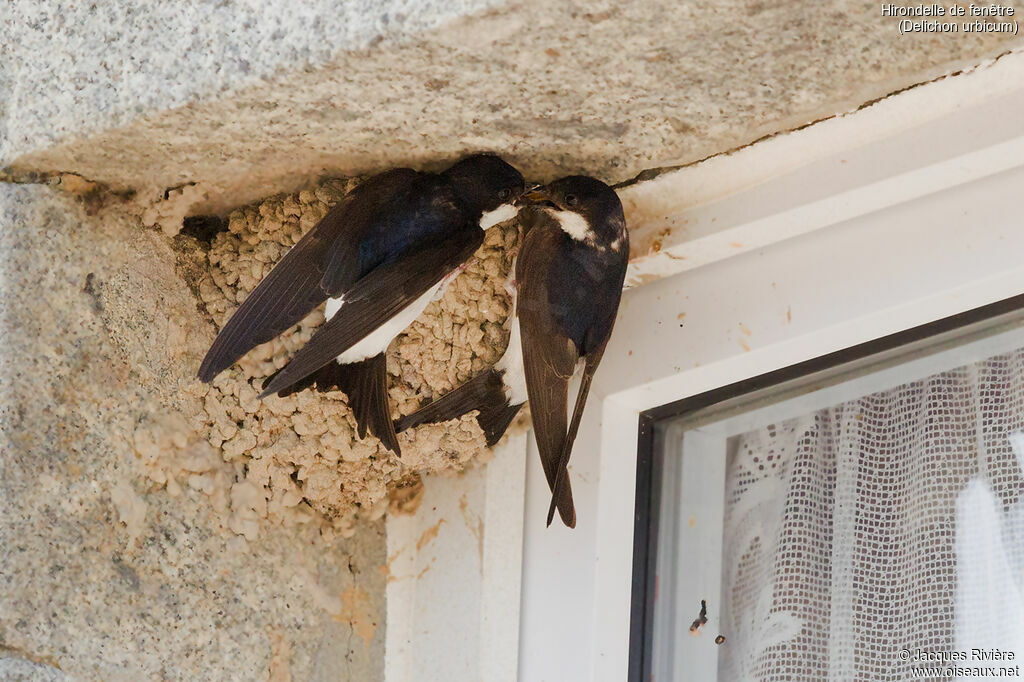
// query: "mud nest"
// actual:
[[298, 458]]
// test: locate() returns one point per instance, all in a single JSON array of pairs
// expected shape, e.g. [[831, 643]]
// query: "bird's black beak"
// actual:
[[528, 195], [537, 194]]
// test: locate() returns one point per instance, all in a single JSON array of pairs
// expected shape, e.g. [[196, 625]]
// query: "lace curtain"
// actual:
[[885, 524]]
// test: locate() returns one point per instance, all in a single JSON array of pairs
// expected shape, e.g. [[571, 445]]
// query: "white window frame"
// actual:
[[795, 247]]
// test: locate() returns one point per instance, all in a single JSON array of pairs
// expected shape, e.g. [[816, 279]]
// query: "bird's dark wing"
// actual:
[[605, 291], [562, 474], [375, 299], [282, 299], [549, 356], [322, 264], [484, 393]]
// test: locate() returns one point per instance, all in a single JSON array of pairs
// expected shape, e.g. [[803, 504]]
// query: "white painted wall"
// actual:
[[455, 566]]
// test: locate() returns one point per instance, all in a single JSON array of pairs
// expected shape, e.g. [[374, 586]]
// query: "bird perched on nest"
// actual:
[[377, 258], [568, 283]]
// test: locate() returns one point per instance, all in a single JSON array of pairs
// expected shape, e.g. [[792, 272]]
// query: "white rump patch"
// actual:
[[511, 366], [498, 215], [378, 340], [333, 306], [573, 224]]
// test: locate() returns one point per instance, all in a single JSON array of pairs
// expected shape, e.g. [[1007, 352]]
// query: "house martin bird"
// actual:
[[568, 283], [377, 258]]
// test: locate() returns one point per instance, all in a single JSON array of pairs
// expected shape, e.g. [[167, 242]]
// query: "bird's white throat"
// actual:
[[573, 224], [499, 215]]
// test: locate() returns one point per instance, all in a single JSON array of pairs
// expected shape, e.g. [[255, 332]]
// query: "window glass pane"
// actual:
[[887, 524], [843, 541]]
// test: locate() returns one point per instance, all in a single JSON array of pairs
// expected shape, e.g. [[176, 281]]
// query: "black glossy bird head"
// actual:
[[486, 182], [587, 209]]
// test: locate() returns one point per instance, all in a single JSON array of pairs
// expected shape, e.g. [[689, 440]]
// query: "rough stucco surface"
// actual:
[[109, 571], [601, 87]]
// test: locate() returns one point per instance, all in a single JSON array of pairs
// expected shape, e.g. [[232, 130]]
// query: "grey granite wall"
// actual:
[[158, 100], [104, 65], [104, 574]]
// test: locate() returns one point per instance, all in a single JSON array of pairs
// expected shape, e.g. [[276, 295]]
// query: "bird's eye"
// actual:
[[504, 194], [571, 200]]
